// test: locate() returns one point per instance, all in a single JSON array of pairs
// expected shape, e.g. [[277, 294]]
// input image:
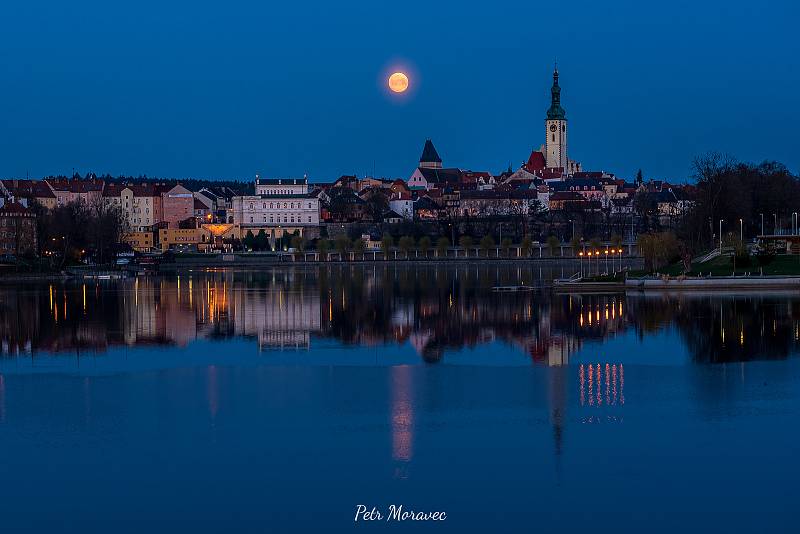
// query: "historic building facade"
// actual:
[[279, 206]]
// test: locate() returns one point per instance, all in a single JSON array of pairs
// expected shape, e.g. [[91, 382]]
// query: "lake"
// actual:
[[279, 400]]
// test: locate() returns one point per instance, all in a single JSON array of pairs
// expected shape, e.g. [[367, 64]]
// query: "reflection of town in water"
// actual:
[[436, 310]]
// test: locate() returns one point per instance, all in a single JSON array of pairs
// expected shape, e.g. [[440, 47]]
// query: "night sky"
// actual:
[[228, 89]]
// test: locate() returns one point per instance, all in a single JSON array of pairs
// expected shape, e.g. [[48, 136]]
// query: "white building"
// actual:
[[281, 186], [274, 212], [402, 203]]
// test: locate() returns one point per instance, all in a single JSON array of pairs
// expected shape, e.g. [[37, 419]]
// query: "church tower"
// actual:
[[430, 158], [556, 129]]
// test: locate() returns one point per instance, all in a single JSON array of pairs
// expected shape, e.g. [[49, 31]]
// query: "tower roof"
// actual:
[[556, 112], [429, 154]]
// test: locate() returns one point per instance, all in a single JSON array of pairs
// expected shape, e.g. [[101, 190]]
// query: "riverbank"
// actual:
[[714, 282], [180, 261]]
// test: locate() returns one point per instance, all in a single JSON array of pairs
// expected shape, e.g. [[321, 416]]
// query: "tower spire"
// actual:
[[556, 111]]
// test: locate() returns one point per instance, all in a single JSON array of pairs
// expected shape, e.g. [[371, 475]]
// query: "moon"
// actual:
[[398, 82]]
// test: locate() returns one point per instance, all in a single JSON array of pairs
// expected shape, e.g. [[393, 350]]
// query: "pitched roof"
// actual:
[[425, 203], [28, 188], [429, 154], [536, 162], [75, 185], [391, 214], [14, 208], [441, 176]]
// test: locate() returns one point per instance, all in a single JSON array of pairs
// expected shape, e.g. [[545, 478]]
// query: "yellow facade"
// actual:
[[139, 241], [168, 237]]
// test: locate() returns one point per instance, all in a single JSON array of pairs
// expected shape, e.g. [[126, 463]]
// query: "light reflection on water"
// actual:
[[282, 398], [427, 314]]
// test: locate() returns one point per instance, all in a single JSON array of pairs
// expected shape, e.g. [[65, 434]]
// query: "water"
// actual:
[[278, 401]]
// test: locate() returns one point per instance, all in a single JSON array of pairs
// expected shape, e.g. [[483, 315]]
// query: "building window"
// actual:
[[554, 138]]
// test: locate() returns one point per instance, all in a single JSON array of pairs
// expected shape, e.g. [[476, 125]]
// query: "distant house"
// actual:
[[427, 179], [345, 205], [31, 190], [402, 204], [201, 211], [392, 217], [567, 200], [489, 203], [17, 229], [87, 191], [426, 209], [622, 206]]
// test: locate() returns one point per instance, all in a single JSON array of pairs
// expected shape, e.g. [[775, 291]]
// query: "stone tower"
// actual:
[[430, 158], [556, 129]]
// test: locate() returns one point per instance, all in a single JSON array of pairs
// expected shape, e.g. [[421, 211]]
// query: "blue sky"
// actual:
[[228, 89]]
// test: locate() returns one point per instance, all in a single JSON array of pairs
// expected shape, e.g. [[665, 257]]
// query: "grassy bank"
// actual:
[[782, 265]]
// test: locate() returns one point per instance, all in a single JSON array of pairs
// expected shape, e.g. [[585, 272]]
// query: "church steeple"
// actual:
[[556, 112], [430, 158], [556, 130]]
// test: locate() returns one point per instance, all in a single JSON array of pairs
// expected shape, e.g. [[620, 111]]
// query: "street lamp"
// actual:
[[720, 235], [775, 215], [741, 231], [580, 254], [794, 223], [762, 224], [606, 261]]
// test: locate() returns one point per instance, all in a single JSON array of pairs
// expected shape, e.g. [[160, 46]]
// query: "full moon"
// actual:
[[398, 82]]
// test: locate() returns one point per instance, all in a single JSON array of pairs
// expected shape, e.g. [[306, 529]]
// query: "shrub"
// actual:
[[554, 245], [505, 244], [406, 243], [323, 246], [487, 243], [526, 246], [425, 245], [466, 243], [359, 246], [386, 245], [342, 244], [441, 246]]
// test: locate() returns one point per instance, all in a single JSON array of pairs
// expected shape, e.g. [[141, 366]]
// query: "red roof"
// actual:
[[75, 186], [536, 162], [14, 208], [28, 188]]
